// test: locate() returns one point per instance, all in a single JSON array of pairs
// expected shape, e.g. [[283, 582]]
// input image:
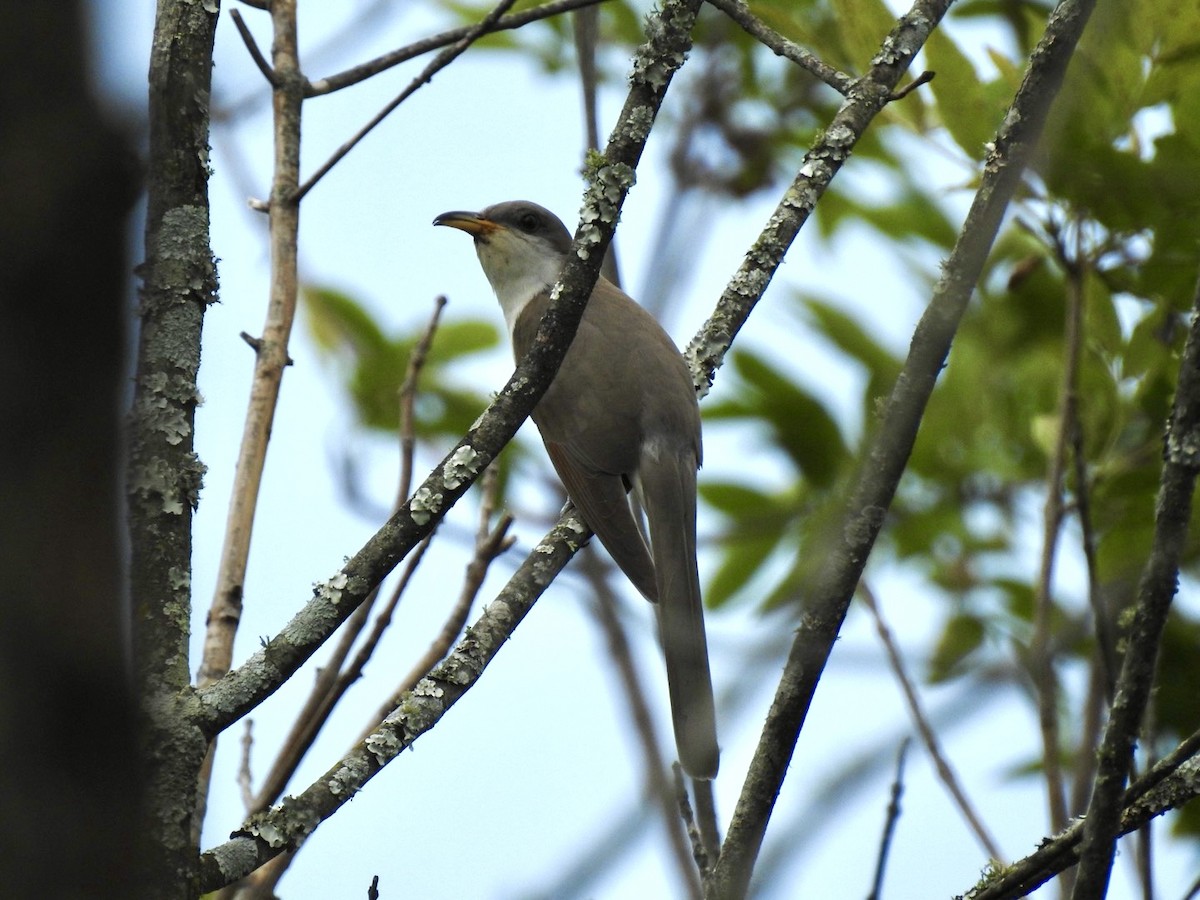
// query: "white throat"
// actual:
[[518, 270]]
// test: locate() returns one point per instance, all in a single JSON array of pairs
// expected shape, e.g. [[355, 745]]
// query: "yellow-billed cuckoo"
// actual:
[[621, 413]]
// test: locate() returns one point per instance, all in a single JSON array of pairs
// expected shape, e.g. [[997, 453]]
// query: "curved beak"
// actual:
[[472, 223]]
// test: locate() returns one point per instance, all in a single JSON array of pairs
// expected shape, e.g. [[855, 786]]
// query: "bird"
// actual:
[[621, 414]]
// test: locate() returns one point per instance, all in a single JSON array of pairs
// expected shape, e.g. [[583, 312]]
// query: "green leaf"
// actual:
[[970, 113], [962, 635]]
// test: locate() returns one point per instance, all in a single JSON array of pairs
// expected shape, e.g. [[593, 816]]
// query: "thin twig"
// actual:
[[699, 853], [1041, 650], [781, 46], [252, 47], [333, 681], [295, 817], [403, 54], [270, 360], [925, 730], [245, 781], [490, 543], [706, 817], [408, 391], [889, 824], [922, 79], [438, 63]]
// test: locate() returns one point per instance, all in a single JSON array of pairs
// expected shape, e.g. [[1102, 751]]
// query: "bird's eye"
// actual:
[[528, 222]]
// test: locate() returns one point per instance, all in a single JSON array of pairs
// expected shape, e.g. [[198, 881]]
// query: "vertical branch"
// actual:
[[271, 350], [1155, 592], [179, 280], [271, 356], [1042, 651]]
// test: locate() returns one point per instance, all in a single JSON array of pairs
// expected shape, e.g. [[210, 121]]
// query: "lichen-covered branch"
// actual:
[[179, 281], [1157, 588], [848, 547], [609, 179], [286, 826], [781, 46], [823, 161], [1174, 781]]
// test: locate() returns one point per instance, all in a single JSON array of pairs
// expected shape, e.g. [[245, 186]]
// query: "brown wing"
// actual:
[[602, 502]]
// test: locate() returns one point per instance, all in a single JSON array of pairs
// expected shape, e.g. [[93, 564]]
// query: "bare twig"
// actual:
[[489, 546], [928, 737], [889, 824], [1155, 593], [922, 79], [329, 688], [408, 391], [437, 41], [781, 46], [245, 781], [699, 853], [438, 63], [252, 47], [706, 818], [271, 357], [292, 821], [332, 681], [1042, 650]]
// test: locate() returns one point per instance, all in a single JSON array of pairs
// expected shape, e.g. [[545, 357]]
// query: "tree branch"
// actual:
[[270, 360], [438, 63], [1169, 785], [164, 473], [781, 46], [928, 737], [847, 547], [1155, 592], [286, 826], [824, 160], [435, 42]]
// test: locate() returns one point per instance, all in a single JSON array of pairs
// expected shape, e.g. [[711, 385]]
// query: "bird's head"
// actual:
[[520, 245]]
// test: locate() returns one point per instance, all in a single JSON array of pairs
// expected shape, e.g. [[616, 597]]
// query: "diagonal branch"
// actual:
[[824, 160], [287, 826], [928, 736], [436, 65], [781, 46], [1171, 783], [848, 547], [1155, 593], [436, 42]]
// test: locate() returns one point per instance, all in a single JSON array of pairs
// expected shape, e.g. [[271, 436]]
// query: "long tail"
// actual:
[[668, 489]]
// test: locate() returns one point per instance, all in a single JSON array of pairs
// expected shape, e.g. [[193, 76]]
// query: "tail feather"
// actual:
[[667, 484]]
